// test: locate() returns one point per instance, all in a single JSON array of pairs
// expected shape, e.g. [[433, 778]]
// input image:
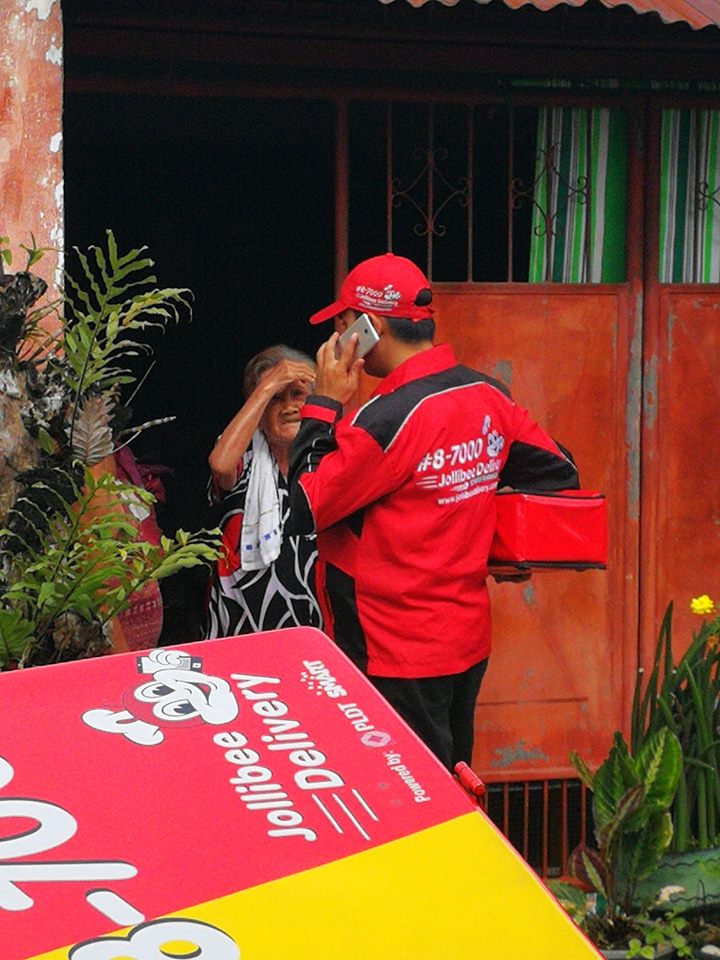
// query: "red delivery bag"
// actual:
[[554, 530]]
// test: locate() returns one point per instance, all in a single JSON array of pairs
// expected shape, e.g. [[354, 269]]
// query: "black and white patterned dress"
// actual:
[[249, 601]]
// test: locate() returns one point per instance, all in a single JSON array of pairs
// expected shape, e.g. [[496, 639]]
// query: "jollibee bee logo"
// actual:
[[178, 692]]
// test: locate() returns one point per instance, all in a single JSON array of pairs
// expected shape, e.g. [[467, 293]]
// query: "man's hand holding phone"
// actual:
[[366, 336], [338, 374]]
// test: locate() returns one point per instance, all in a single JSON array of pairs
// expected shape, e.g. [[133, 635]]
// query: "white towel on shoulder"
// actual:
[[261, 532]]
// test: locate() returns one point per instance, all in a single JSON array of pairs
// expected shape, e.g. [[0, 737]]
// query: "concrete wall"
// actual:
[[31, 174]]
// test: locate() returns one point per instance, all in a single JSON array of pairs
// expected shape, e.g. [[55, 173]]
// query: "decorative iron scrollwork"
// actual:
[[579, 191], [430, 172], [706, 196]]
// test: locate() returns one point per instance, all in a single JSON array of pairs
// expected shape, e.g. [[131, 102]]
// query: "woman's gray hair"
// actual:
[[268, 358]]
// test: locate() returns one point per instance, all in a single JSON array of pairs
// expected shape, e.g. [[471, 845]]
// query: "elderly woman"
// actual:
[[263, 580]]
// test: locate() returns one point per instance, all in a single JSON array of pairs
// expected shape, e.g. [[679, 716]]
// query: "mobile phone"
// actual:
[[367, 336]]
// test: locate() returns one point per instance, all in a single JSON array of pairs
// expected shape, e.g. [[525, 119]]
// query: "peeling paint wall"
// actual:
[[31, 175]]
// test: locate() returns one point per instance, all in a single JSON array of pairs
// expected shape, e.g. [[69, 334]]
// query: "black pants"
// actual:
[[441, 710]]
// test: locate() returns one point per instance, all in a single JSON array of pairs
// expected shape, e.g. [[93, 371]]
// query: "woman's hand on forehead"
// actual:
[[282, 374]]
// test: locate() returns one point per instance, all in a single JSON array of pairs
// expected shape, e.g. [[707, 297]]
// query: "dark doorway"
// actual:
[[234, 200]]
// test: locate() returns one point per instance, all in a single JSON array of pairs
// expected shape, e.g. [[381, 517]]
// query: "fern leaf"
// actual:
[[15, 635], [92, 438], [90, 276], [112, 249], [102, 265]]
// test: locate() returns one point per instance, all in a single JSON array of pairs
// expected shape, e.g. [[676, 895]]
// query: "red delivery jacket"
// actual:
[[401, 493]]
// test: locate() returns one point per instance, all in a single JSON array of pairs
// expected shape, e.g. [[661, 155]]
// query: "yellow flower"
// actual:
[[701, 605]]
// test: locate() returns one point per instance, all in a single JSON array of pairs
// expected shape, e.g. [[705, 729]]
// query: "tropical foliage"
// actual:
[[104, 316], [668, 780], [65, 580], [71, 557], [631, 799], [631, 796], [684, 696]]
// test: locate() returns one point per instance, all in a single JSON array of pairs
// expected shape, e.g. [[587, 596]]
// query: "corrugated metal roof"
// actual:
[[698, 13]]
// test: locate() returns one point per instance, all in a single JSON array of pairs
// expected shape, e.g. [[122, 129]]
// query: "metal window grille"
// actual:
[[690, 196], [543, 819], [480, 192], [449, 182]]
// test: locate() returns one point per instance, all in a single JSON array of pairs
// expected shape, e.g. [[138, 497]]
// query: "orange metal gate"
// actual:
[[681, 459], [564, 351]]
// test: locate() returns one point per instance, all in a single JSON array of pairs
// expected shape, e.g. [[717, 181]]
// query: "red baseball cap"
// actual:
[[389, 285]]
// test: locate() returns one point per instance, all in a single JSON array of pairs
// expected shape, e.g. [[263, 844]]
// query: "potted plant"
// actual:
[[684, 696], [631, 797], [66, 580], [72, 553]]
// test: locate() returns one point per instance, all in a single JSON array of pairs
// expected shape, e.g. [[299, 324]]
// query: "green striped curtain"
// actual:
[[578, 224], [690, 197]]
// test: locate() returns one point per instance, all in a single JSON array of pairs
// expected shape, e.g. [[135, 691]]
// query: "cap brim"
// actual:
[[328, 312]]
